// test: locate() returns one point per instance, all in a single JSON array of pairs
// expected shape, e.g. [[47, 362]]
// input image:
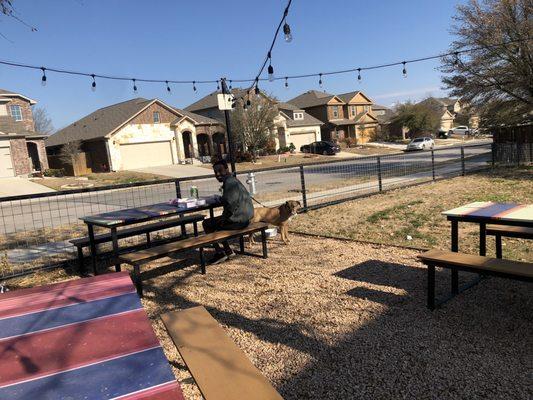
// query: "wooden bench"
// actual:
[[83, 242], [140, 257], [220, 369], [500, 231], [517, 270]]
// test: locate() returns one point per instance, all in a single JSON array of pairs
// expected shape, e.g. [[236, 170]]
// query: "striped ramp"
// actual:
[[82, 339]]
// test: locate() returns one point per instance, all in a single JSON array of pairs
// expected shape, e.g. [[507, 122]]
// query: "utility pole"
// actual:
[[231, 145]]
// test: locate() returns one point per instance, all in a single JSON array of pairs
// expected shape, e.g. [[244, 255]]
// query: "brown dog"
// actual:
[[278, 216]]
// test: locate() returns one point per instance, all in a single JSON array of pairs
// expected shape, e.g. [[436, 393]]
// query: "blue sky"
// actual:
[[207, 39]]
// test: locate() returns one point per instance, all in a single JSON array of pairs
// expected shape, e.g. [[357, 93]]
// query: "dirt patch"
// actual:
[[329, 319], [412, 216], [371, 151]]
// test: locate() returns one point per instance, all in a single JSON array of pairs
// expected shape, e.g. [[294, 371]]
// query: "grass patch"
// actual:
[[389, 212]]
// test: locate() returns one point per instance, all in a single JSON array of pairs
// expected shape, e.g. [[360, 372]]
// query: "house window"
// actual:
[[156, 117], [335, 111], [352, 111], [298, 115], [16, 112], [366, 108]]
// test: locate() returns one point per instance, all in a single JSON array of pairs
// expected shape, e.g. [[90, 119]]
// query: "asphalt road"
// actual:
[[57, 211]]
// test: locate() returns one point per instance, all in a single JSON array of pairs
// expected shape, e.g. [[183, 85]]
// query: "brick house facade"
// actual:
[[22, 149]]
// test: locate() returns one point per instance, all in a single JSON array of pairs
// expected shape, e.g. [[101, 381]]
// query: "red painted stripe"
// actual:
[[509, 211], [44, 353], [48, 299], [171, 390]]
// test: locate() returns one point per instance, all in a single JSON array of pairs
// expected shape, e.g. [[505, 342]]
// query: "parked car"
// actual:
[[420, 143], [460, 130], [322, 147]]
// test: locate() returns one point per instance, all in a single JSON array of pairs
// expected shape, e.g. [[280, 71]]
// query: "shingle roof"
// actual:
[[99, 123], [3, 91], [311, 98], [6, 93], [199, 119], [288, 109], [210, 101]]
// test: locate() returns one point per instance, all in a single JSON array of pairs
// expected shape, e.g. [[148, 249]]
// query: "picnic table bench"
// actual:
[[141, 257], [499, 231], [86, 338], [220, 369], [147, 229], [517, 270]]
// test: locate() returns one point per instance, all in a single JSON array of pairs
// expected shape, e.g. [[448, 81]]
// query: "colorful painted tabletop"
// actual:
[[82, 339], [144, 213], [496, 211]]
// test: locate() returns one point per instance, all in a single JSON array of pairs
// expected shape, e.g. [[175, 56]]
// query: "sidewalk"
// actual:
[[20, 186]]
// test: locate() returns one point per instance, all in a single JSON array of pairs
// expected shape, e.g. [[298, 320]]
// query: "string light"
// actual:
[[43, 78], [286, 83], [256, 86], [359, 75], [168, 87], [194, 85], [218, 86], [134, 85], [230, 85], [93, 85], [404, 70], [320, 79], [456, 60], [287, 32]]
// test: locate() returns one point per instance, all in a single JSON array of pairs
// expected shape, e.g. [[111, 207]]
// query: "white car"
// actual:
[[460, 130], [420, 143]]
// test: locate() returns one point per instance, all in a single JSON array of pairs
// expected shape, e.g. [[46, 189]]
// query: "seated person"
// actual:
[[238, 209]]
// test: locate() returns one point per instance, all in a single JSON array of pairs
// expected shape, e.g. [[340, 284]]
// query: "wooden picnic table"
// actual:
[[130, 216], [87, 338], [483, 213]]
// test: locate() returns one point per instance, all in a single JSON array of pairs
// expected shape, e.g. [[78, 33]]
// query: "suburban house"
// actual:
[[387, 129], [347, 115], [22, 150], [293, 124], [446, 109], [141, 133]]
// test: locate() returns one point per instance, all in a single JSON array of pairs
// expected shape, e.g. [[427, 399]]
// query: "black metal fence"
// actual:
[[35, 230]]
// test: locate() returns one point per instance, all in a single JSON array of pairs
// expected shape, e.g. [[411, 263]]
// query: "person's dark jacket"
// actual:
[[237, 202]]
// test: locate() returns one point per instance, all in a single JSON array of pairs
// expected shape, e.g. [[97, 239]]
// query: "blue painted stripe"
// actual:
[[57, 317], [104, 380]]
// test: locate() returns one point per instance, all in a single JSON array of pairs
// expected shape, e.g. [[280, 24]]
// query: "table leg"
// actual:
[[92, 247], [455, 248], [482, 239], [115, 248], [211, 212]]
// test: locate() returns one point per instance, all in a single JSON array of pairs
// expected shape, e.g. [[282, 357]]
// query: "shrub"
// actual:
[[292, 147], [270, 146], [284, 149], [350, 142], [54, 172], [244, 157]]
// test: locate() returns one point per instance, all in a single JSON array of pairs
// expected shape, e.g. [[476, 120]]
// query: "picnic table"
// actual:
[[87, 338], [483, 213], [130, 216]]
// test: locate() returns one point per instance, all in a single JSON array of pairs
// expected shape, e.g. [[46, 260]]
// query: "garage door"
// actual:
[[6, 166], [299, 139], [141, 155]]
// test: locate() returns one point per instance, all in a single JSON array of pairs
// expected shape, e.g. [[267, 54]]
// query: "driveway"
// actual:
[[20, 186], [177, 170]]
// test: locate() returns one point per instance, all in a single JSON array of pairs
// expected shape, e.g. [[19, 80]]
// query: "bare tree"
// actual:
[[253, 125], [43, 123], [69, 150], [496, 79]]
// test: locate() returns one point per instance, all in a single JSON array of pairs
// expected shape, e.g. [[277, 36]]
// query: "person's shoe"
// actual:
[[218, 258]]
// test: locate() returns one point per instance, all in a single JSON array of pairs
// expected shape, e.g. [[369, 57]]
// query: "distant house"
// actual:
[[22, 150], [347, 115], [387, 128], [293, 124], [141, 133], [453, 112]]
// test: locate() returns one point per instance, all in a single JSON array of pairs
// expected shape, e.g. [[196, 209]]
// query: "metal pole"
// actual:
[[463, 160], [178, 189], [380, 183], [228, 128], [304, 192], [433, 163]]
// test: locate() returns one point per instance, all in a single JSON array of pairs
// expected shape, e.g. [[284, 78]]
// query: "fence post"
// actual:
[[178, 189], [380, 183], [433, 163], [463, 160], [493, 153], [518, 151], [530, 152], [304, 191]]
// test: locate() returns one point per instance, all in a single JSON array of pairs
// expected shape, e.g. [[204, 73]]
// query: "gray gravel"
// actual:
[[330, 319]]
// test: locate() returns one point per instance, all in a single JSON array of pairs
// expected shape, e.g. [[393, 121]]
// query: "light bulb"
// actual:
[[168, 87], [43, 79], [194, 85], [93, 85], [134, 86], [404, 70], [287, 32], [230, 85], [271, 73], [320, 80], [286, 83], [359, 75]]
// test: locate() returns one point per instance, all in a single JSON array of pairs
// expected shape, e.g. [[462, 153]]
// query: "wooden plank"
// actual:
[[510, 267], [221, 370], [510, 231], [189, 243]]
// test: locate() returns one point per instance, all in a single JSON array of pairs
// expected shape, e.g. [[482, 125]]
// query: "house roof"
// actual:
[[197, 118], [6, 93], [288, 110], [312, 98], [384, 118], [211, 101], [106, 120], [346, 97]]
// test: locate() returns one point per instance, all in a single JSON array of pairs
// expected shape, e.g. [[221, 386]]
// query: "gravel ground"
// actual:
[[333, 319]]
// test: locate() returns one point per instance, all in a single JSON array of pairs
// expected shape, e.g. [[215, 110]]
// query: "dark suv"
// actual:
[[322, 147]]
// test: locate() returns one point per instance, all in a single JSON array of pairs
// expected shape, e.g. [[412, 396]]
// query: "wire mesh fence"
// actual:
[[35, 230]]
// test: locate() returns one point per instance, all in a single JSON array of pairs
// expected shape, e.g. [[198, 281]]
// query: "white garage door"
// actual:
[[299, 139], [6, 166], [141, 155]]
